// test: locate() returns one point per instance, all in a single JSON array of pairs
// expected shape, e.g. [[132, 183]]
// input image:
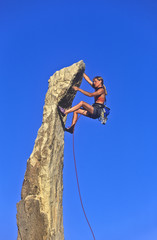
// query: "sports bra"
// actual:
[[99, 98]]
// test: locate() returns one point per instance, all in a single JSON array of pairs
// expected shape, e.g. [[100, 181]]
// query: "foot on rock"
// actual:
[[70, 129], [62, 110]]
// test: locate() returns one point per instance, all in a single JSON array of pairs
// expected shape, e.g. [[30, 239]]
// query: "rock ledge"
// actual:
[[40, 211]]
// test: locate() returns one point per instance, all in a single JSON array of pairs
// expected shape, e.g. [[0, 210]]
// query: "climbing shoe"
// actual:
[[70, 129], [62, 110]]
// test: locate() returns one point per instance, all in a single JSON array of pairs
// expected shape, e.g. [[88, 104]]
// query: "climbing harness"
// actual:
[[104, 113]]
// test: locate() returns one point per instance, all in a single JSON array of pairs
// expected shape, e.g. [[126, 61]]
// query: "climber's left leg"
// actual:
[[83, 104]]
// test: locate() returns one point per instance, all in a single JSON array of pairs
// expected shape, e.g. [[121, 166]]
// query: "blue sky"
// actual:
[[116, 162]]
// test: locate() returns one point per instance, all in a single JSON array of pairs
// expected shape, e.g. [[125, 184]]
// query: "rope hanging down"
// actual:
[[79, 187]]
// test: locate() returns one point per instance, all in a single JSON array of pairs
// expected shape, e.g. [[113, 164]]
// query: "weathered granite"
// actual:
[[40, 211]]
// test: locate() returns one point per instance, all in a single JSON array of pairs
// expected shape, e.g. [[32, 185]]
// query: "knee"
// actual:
[[82, 103]]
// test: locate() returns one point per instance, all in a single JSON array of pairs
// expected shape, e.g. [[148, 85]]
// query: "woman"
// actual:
[[84, 108]]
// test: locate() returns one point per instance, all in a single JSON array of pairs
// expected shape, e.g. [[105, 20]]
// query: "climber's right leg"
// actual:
[[74, 120], [75, 115]]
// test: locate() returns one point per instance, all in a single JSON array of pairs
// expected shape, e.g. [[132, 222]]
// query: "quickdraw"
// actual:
[[104, 113]]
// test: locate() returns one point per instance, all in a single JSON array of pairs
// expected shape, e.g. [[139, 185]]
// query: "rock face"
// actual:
[[40, 211]]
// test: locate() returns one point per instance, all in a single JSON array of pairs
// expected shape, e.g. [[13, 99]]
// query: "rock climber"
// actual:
[[92, 111]]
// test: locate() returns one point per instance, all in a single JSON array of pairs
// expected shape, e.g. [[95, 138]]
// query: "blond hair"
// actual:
[[102, 81]]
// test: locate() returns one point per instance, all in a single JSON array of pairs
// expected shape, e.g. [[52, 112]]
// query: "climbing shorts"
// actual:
[[98, 107]]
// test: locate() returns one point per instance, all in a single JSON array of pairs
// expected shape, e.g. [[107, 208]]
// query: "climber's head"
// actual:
[[99, 82]]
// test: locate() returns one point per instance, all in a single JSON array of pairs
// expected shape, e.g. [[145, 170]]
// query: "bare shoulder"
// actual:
[[100, 90]]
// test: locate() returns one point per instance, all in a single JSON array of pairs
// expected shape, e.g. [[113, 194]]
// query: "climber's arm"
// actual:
[[98, 92], [88, 79]]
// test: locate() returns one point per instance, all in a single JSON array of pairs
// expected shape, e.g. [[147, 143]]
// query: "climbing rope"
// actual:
[[79, 186]]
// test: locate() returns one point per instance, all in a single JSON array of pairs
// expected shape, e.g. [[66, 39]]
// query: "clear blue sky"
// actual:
[[117, 163]]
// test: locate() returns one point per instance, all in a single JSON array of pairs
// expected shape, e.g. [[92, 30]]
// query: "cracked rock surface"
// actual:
[[40, 210]]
